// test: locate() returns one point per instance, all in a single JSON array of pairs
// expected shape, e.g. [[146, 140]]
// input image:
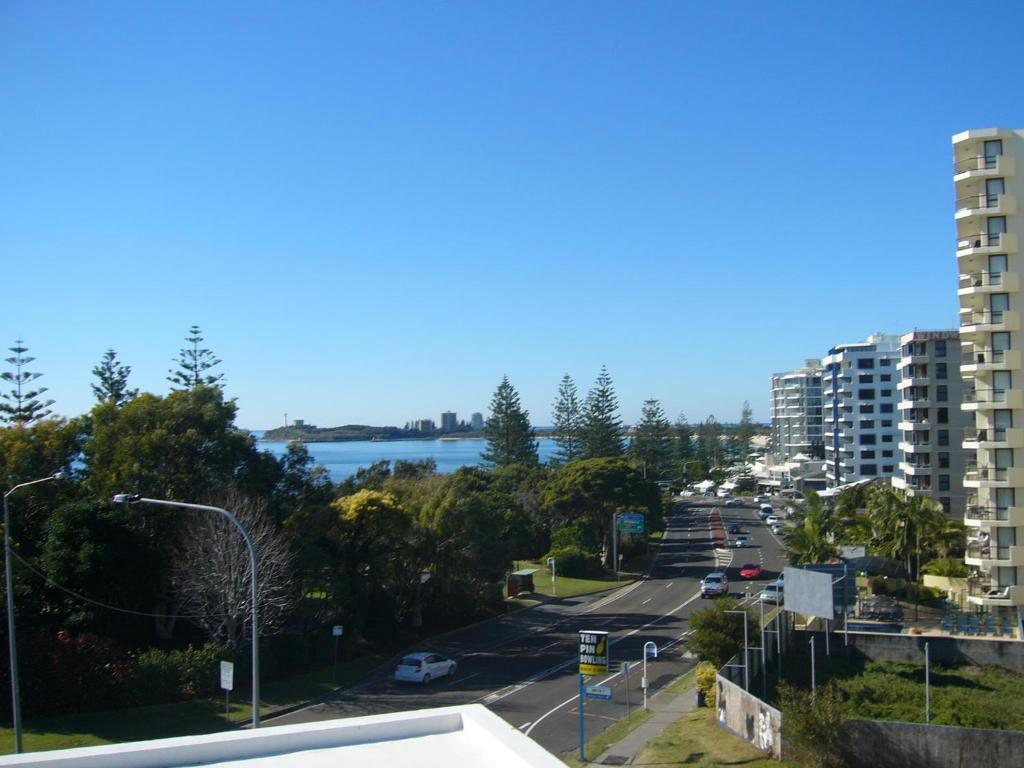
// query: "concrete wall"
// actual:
[[748, 717], [910, 648], [882, 744]]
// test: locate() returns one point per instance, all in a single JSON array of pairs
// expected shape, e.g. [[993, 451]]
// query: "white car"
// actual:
[[772, 593], [762, 499], [741, 541], [771, 520], [715, 584], [423, 667], [734, 502], [778, 529]]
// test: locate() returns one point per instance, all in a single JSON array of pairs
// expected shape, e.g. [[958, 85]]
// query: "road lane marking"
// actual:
[[524, 725], [462, 679], [544, 648], [645, 602], [669, 584]]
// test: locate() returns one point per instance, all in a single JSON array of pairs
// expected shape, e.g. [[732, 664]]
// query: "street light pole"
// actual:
[[134, 498], [746, 660], [12, 643]]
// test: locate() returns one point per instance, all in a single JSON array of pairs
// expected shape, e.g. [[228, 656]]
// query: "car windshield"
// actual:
[[748, 567], [410, 661], [712, 579]]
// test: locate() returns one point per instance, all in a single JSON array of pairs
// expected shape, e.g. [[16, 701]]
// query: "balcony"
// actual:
[[990, 399], [992, 437], [985, 205], [974, 283], [922, 446], [992, 477], [982, 359], [980, 167], [989, 515], [989, 593], [972, 321], [918, 468], [992, 555], [913, 380], [976, 243]]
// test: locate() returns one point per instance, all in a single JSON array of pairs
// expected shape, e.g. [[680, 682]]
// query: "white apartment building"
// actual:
[[933, 428], [796, 413], [859, 400], [989, 228]]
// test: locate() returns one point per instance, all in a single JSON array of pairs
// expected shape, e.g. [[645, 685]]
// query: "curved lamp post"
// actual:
[[9, 578], [134, 498]]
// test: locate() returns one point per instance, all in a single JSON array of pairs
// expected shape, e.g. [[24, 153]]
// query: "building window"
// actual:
[[943, 482], [887, 454], [940, 371], [943, 436], [886, 438], [886, 393], [867, 454], [869, 469], [866, 394], [885, 362], [887, 469], [885, 377], [885, 408], [943, 461], [886, 422], [867, 439], [865, 363], [942, 393], [944, 501], [942, 415], [867, 408], [865, 378], [867, 424], [940, 347]]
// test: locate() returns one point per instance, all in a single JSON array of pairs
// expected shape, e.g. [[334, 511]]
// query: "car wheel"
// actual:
[[426, 679], [451, 671]]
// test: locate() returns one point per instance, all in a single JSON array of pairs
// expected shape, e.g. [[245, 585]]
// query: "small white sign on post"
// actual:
[[227, 675], [337, 630]]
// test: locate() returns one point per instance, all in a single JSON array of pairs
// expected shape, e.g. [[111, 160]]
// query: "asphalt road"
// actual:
[[523, 666]]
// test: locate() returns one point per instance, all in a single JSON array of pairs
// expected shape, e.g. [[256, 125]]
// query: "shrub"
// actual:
[[575, 562], [707, 682], [813, 725], [172, 675], [717, 635]]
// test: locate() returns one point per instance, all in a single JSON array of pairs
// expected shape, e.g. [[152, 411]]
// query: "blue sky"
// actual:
[[374, 210]]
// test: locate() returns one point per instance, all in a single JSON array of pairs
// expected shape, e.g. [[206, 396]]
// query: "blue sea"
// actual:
[[344, 458]]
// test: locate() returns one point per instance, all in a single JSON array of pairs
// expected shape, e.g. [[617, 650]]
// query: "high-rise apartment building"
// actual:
[[989, 230], [796, 412], [931, 422], [859, 401], [476, 421], [449, 421]]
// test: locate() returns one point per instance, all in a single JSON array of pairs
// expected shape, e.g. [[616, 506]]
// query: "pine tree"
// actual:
[[20, 405], [193, 363], [652, 445], [113, 380], [510, 438], [744, 432], [568, 422], [602, 428]]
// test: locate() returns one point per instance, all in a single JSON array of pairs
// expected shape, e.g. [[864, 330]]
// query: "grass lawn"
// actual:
[[608, 737], [975, 697], [696, 740], [184, 718]]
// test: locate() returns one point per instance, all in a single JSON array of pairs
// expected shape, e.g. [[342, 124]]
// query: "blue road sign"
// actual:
[[599, 692], [631, 522]]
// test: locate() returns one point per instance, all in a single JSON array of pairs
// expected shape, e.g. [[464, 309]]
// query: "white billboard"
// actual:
[[808, 593]]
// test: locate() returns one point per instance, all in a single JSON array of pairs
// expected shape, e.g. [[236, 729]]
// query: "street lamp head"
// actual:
[[59, 475], [126, 498]]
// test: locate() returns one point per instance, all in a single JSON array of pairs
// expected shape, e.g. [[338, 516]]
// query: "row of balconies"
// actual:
[[993, 437], [993, 555]]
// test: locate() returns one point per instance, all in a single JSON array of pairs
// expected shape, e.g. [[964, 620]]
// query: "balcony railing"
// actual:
[[985, 396], [981, 279], [987, 512], [988, 552], [977, 163], [979, 240], [990, 474], [977, 201], [994, 317], [985, 434], [983, 356]]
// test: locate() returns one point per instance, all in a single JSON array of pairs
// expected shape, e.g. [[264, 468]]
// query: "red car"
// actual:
[[750, 571]]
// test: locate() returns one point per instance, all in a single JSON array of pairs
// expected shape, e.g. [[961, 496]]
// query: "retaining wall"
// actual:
[[748, 717], [884, 744]]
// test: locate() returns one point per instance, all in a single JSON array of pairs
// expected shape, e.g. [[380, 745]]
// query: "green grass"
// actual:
[[609, 736], [697, 740], [180, 719], [975, 697]]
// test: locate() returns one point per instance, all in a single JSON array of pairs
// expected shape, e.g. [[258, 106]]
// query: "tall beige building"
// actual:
[[932, 425], [989, 230]]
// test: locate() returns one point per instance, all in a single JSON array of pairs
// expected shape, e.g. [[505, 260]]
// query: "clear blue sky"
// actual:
[[374, 210]]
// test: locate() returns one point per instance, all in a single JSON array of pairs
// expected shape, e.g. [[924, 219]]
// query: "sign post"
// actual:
[[625, 671], [551, 565], [593, 661], [227, 682], [650, 652], [336, 630]]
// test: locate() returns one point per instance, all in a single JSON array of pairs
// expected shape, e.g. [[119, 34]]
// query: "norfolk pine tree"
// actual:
[[20, 405], [113, 380], [652, 446], [508, 431], [193, 364], [567, 420], [602, 427], [744, 432]]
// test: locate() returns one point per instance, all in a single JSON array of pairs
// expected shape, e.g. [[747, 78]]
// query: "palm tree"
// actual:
[[813, 541]]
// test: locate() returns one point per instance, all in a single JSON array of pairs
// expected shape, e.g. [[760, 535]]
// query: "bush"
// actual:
[[717, 635], [813, 725], [707, 682], [172, 675], [575, 562]]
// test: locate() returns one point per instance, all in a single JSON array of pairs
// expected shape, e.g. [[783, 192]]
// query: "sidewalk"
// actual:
[[666, 709]]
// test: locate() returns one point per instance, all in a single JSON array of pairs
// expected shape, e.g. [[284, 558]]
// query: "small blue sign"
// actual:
[[631, 522], [599, 692]]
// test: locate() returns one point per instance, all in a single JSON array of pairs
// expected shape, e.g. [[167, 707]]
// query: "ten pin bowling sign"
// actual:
[[593, 652]]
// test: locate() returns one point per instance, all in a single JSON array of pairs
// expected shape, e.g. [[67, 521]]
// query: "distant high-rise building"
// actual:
[[476, 421], [449, 421], [425, 425], [859, 398], [796, 412]]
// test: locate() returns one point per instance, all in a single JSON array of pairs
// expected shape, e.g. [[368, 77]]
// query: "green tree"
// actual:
[[112, 380], [717, 635], [568, 422], [20, 405], [652, 445], [193, 364], [744, 433], [812, 541], [510, 438], [602, 427], [814, 725]]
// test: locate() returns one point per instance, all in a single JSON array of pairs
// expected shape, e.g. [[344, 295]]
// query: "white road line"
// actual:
[[463, 679], [524, 725], [645, 602], [549, 645], [669, 584]]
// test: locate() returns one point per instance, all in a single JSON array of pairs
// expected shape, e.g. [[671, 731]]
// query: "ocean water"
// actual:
[[342, 459]]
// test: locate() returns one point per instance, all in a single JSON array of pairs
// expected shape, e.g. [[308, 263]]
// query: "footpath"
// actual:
[[666, 708]]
